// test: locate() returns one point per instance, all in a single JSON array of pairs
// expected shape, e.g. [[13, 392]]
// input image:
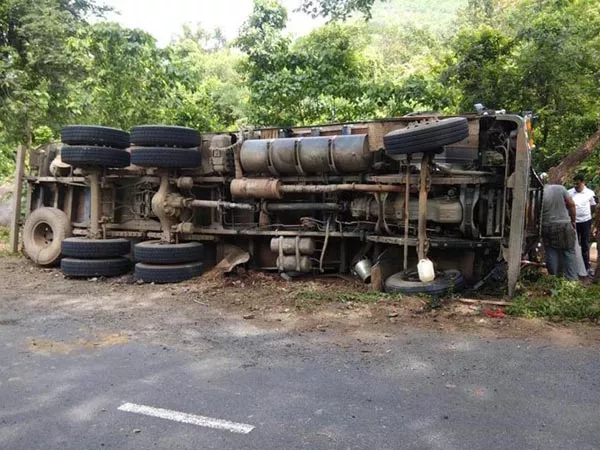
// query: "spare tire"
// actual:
[[94, 156], [164, 136], [426, 137], [166, 157], [408, 282], [80, 247], [168, 274], [94, 135], [157, 252], [73, 267], [43, 232]]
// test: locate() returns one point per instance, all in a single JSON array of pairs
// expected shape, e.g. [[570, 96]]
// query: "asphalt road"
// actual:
[[62, 381]]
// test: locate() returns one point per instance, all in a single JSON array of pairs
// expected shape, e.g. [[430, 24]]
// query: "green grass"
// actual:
[[4, 236], [4, 232], [557, 299]]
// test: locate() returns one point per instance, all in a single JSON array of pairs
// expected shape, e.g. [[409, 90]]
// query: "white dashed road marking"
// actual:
[[177, 416]]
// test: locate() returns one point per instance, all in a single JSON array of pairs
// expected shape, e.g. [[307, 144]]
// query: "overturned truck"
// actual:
[[370, 198]]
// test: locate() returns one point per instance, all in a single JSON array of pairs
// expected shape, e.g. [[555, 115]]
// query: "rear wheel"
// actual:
[[157, 252], [74, 267], [165, 157], [420, 137], [164, 136], [94, 156], [94, 135], [408, 283], [168, 274], [80, 247], [43, 232]]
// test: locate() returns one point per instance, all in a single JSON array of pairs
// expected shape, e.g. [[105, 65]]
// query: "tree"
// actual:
[[337, 9], [125, 81], [207, 90], [482, 66], [37, 65]]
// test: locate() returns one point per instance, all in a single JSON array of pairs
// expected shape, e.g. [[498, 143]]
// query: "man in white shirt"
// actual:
[[584, 199]]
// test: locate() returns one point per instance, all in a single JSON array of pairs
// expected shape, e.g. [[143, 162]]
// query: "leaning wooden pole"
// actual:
[[423, 191], [16, 201]]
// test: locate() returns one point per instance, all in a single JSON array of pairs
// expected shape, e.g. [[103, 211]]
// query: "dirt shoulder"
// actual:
[[339, 305]]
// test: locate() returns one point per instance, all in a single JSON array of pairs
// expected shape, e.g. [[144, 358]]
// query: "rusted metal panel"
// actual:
[[255, 188], [518, 207]]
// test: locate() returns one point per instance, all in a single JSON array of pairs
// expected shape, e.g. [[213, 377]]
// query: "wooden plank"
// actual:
[[16, 201]]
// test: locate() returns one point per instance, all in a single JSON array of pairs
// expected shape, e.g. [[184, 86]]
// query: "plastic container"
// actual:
[[426, 272]]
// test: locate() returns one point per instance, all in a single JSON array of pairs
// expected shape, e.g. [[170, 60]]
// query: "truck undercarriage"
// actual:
[[369, 198]]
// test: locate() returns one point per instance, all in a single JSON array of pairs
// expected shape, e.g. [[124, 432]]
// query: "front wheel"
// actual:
[[43, 233]]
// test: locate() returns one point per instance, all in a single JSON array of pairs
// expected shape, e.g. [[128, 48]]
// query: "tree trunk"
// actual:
[[561, 173]]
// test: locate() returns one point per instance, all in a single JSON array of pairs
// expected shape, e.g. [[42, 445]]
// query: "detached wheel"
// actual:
[[426, 137], [164, 136], [94, 135], [73, 267], [185, 158], [168, 274], [408, 283], [156, 252], [94, 156], [80, 247], [43, 233]]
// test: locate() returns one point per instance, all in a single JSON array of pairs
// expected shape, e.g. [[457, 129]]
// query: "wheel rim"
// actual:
[[43, 235]]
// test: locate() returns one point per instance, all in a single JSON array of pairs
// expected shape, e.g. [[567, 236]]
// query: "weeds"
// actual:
[[4, 232], [557, 299]]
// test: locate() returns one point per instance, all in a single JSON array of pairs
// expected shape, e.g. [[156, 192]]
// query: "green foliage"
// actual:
[[558, 299], [482, 67], [124, 80], [444, 55], [36, 65], [208, 91], [437, 16], [337, 9]]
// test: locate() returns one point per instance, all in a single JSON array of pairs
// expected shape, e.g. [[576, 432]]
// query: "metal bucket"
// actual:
[[363, 269]]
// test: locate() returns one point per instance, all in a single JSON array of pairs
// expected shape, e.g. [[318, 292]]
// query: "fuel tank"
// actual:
[[307, 155]]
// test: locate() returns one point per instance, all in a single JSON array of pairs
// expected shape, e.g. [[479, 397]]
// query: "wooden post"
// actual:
[[423, 190], [16, 201]]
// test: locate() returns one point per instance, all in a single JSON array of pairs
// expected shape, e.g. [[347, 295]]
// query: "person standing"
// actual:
[[585, 203], [558, 232]]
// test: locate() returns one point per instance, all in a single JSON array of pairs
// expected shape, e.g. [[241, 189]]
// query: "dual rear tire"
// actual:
[[168, 263], [95, 257]]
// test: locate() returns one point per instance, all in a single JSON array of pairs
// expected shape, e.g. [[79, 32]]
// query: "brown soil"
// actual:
[[266, 301]]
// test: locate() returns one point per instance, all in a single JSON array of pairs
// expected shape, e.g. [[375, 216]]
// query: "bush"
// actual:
[[558, 299]]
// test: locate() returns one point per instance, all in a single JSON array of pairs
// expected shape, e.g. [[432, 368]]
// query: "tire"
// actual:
[[408, 283], [73, 267], [43, 232], [80, 247], [155, 252], [94, 135], [168, 274], [87, 155], [164, 136], [165, 157], [426, 137]]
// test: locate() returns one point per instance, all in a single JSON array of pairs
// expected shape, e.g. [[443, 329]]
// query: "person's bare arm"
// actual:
[[570, 204]]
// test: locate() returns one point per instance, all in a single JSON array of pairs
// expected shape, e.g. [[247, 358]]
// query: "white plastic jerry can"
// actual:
[[425, 269]]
